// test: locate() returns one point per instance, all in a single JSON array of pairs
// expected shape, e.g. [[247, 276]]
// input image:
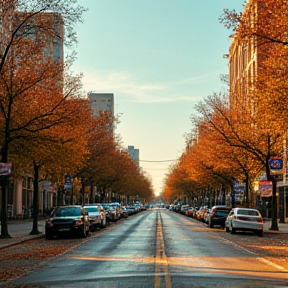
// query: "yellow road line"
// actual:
[[161, 260]]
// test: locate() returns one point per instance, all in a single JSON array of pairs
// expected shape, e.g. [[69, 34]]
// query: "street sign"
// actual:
[[5, 169], [68, 181]]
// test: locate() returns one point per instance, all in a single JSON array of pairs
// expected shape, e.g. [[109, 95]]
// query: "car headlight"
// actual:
[[79, 222]]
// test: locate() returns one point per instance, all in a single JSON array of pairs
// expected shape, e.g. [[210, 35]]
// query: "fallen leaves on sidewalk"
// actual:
[[18, 260], [273, 246]]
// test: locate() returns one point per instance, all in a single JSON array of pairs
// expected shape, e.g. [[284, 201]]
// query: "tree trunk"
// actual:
[[274, 223], [233, 204], [35, 201], [4, 180], [246, 191]]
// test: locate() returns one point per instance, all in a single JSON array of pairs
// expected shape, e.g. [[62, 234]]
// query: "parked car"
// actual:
[[184, 208], [103, 220], [72, 219], [94, 216], [131, 210], [218, 215], [124, 212], [244, 219], [207, 215], [117, 208], [189, 212], [201, 212], [111, 213]]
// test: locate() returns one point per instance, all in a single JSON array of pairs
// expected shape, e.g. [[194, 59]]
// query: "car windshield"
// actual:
[[92, 209], [66, 211]]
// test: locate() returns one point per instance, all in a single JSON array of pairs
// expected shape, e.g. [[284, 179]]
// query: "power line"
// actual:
[[159, 160]]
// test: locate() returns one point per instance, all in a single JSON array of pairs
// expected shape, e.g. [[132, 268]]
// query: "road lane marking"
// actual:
[[161, 260]]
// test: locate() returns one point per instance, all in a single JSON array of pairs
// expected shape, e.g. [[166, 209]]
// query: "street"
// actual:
[[159, 248]]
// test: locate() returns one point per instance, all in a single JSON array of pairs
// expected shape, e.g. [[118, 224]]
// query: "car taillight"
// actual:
[[49, 223]]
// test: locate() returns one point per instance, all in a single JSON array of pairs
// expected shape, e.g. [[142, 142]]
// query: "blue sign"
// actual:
[[68, 181], [276, 165]]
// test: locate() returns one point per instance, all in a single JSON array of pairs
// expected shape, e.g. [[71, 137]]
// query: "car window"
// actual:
[[222, 212], [248, 212]]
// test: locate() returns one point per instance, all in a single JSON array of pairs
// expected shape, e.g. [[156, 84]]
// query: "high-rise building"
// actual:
[[101, 102], [134, 154]]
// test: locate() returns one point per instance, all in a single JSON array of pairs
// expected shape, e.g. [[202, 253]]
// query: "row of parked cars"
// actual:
[[230, 219], [82, 219]]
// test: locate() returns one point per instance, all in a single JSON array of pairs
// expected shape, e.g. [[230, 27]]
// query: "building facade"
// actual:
[[134, 154], [100, 102], [246, 62]]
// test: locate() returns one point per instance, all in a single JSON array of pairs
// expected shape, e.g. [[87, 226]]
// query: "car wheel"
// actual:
[[259, 233], [48, 235], [103, 224], [84, 232], [88, 230], [210, 224]]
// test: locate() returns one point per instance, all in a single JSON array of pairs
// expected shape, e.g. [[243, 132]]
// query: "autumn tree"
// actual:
[[108, 165], [255, 134], [263, 21], [32, 71], [58, 150]]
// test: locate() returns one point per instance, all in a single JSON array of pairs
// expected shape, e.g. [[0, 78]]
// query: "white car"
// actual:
[[94, 217], [244, 219]]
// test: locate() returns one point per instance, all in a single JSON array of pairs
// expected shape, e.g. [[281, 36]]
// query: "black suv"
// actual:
[[72, 219], [218, 215]]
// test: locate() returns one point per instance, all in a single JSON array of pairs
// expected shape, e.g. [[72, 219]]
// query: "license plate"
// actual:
[[64, 229]]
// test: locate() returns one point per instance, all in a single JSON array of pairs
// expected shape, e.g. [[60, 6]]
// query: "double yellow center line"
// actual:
[[161, 260]]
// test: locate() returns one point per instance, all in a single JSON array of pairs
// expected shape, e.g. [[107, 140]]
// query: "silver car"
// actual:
[[244, 219], [94, 216]]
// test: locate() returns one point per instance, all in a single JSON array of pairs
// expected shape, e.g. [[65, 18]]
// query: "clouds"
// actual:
[[133, 89]]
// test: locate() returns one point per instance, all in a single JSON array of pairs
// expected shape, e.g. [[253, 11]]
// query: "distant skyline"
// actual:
[[158, 58]]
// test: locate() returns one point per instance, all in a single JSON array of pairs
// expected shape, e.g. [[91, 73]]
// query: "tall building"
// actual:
[[100, 102], [134, 154]]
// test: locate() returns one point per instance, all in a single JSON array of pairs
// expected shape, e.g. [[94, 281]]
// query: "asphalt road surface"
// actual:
[[158, 248]]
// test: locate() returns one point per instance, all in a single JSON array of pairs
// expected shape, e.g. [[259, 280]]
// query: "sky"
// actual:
[[159, 58]]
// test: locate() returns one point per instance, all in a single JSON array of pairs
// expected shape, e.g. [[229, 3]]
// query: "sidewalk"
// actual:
[[19, 230], [283, 227]]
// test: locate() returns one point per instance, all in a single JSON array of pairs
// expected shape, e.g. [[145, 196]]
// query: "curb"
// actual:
[[17, 240]]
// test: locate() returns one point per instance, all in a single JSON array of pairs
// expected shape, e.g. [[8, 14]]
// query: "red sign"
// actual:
[[265, 188]]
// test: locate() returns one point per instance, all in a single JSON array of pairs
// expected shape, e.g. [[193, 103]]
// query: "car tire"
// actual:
[[259, 233], [211, 224], [103, 224], [84, 232], [48, 235]]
